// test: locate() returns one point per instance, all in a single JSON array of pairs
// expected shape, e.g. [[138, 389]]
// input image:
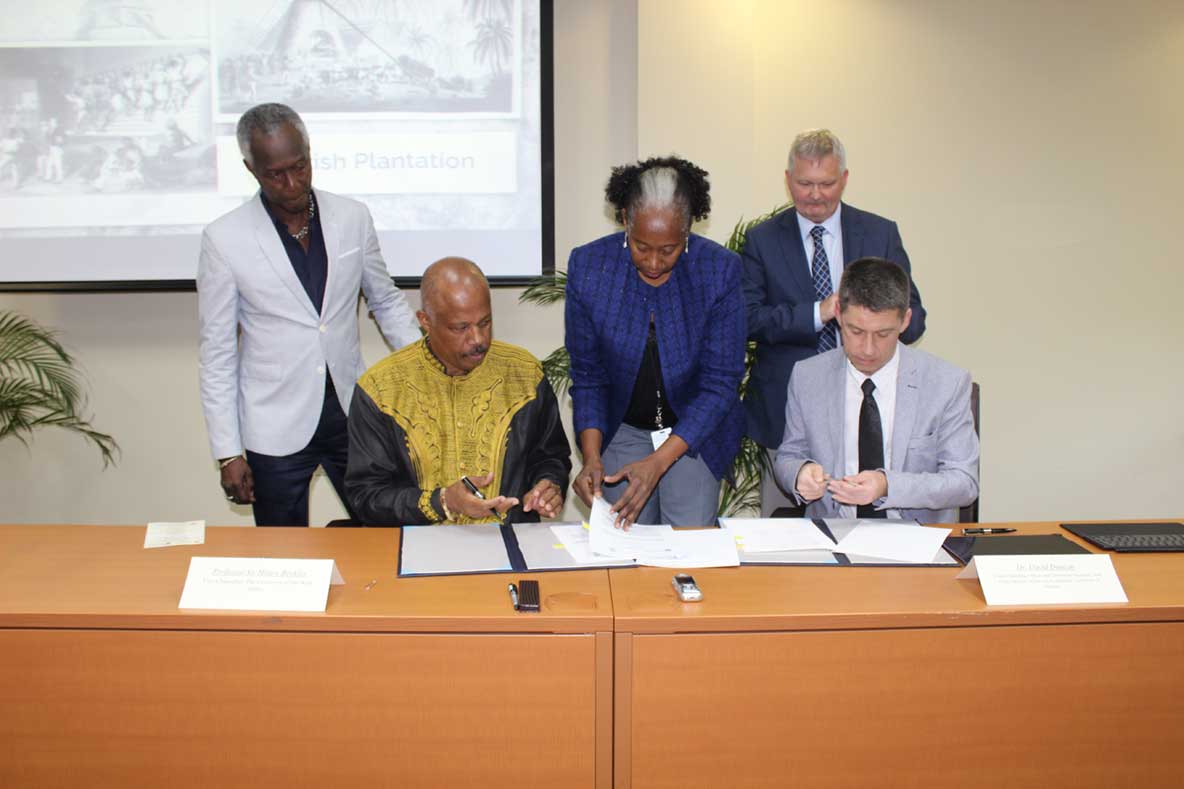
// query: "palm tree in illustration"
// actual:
[[493, 44], [487, 9]]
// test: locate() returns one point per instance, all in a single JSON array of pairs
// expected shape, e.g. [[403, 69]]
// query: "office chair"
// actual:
[[969, 513]]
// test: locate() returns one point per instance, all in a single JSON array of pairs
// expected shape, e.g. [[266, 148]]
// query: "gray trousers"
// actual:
[[687, 494]]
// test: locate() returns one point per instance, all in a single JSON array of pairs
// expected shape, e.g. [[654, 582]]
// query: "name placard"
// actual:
[[243, 584], [1047, 579]]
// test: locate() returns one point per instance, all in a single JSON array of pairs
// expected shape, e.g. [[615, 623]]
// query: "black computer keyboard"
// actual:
[[1140, 542]]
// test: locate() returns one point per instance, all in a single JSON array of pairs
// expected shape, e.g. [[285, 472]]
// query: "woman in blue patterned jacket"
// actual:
[[656, 333]]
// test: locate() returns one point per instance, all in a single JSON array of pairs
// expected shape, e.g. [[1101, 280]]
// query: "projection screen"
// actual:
[[117, 129]]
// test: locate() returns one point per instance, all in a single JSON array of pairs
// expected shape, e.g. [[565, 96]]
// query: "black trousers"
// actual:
[[282, 481]]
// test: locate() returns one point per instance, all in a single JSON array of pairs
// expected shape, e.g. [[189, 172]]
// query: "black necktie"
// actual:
[[871, 444]]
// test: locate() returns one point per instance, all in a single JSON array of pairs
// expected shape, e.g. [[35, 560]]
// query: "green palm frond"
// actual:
[[28, 351], [545, 290], [39, 386], [740, 231], [557, 368], [742, 492]]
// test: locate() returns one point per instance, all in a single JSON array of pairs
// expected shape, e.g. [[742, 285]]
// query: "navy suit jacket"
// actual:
[[779, 301], [699, 318]]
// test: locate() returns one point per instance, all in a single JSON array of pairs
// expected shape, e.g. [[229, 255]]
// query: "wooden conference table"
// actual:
[[806, 676], [880, 677], [414, 682]]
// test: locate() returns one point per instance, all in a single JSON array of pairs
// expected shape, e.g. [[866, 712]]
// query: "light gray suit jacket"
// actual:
[[933, 469], [264, 349]]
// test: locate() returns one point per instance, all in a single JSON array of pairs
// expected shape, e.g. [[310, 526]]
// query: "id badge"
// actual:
[[659, 437]]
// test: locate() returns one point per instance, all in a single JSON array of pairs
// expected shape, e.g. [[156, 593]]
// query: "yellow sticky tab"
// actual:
[[558, 546]]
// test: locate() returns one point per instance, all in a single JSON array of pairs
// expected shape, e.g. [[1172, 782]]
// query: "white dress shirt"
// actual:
[[885, 396], [832, 245]]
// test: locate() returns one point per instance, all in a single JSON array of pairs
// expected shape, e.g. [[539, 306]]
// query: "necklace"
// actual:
[[312, 211]]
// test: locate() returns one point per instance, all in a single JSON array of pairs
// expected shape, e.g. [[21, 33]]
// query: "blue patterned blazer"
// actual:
[[700, 324]]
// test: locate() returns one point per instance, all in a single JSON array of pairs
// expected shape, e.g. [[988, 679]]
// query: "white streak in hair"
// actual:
[[658, 189]]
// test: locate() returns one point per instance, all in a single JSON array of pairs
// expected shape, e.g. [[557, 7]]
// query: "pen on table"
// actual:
[[513, 590], [987, 531]]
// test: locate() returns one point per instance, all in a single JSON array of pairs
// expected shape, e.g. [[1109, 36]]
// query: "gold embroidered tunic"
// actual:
[[414, 430]]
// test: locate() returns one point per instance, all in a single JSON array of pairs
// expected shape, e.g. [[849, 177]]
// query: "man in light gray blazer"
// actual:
[[875, 428], [277, 283]]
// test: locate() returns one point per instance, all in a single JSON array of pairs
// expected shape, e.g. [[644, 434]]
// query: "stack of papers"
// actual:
[[575, 537], [598, 542], [654, 545]]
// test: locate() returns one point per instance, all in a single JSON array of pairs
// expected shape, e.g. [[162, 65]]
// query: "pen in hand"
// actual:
[[468, 483]]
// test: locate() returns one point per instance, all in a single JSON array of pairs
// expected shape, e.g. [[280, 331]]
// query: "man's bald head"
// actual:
[[455, 314], [451, 279]]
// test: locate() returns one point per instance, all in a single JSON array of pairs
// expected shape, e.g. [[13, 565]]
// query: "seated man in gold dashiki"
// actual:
[[456, 404]]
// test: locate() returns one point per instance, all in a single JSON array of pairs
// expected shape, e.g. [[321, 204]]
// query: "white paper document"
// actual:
[[162, 534], [766, 535], [451, 548], [659, 546], [642, 542], [242, 584], [896, 541], [700, 548], [574, 537], [1046, 579]]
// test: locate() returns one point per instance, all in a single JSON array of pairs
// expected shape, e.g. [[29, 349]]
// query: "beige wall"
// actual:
[[1031, 153], [140, 349]]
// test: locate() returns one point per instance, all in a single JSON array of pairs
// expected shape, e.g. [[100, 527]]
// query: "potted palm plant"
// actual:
[[40, 387], [740, 493]]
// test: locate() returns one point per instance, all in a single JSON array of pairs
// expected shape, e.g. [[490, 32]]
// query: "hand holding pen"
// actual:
[[464, 497]]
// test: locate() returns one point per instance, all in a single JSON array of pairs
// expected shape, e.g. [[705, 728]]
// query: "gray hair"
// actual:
[[658, 188], [266, 119], [875, 284], [813, 144]]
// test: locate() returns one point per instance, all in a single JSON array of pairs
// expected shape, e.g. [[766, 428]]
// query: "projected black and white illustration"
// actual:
[[105, 120], [335, 56], [102, 21], [117, 126]]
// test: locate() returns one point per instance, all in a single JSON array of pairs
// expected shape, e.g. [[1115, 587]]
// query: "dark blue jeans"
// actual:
[[281, 482]]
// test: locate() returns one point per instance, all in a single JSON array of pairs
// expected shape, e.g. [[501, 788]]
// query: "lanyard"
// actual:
[[652, 353]]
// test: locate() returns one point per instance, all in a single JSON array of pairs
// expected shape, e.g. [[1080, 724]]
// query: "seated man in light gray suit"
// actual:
[[277, 293], [875, 428]]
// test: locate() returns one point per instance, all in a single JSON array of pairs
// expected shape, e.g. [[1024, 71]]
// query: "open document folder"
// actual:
[[490, 548], [535, 547], [835, 541]]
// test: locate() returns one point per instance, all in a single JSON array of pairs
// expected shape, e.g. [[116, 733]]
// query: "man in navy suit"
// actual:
[[792, 266]]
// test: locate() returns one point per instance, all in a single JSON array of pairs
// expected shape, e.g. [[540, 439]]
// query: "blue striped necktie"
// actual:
[[822, 288]]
